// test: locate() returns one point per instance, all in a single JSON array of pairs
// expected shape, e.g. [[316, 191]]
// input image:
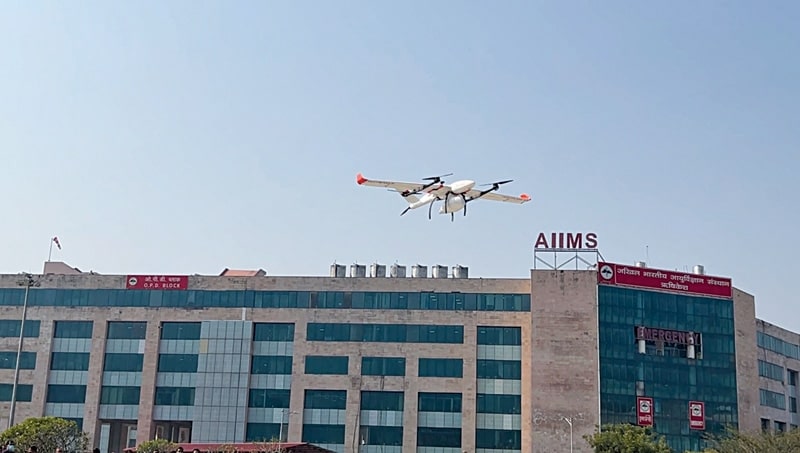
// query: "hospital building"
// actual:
[[377, 359]]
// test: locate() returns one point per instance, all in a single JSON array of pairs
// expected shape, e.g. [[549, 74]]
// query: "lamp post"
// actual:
[[27, 281], [569, 422]]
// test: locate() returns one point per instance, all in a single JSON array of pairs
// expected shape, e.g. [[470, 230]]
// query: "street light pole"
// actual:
[[569, 422], [27, 282]]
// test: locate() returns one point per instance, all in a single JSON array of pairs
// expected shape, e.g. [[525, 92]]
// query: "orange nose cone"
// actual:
[[360, 179], [525, 196]]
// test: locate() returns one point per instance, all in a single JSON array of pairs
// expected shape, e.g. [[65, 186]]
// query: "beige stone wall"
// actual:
[[746, 361], [564, 379]]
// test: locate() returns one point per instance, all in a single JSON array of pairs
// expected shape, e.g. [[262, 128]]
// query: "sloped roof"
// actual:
[[242, 273]]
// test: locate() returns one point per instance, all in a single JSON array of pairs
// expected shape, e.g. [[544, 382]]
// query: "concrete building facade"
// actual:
[[378, 363]]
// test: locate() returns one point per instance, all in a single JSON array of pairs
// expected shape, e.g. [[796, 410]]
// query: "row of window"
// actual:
[[777, 345], [137, 330], [387, 366], [772, 399], [384, 366], [771, 370], [269, 299], [496, 439]]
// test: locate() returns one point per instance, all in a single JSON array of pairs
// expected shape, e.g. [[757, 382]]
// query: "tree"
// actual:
[[737, 442], [626, 438], [270, 446], [47, 434], [159, 445]]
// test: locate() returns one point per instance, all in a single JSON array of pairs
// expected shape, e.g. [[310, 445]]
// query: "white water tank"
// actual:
[[338, 270], [439, 271], [699, 269], [377, 270], [640, 264], [460, 271], [397, 271], [419, 271], [358, 270]]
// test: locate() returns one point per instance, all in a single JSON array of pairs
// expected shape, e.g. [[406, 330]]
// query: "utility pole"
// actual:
[[569, 422], [27, 281]]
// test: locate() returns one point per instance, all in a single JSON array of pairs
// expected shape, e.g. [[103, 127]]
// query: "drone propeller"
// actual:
[[498, 183], [436, 178]]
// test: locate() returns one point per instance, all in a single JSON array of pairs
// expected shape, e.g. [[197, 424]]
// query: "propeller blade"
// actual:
[[498, 183], [436, 178]]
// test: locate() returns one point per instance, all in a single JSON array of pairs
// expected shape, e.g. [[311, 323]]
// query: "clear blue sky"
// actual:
[[186, 137]]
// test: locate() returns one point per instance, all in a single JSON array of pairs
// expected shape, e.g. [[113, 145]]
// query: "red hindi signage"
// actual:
[[644, 411], [662, 280], [697, 415], [157, 282]]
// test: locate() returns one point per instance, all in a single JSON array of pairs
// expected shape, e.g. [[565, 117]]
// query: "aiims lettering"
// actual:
[[567, 241]]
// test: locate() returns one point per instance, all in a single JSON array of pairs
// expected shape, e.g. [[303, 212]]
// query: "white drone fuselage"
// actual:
[[451, 192]]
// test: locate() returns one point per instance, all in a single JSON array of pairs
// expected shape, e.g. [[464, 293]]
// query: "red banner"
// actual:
[[697, 415], [663, 280], [159, 282], [644, 411]]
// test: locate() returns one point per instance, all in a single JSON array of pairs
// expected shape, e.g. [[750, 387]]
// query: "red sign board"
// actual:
[[644, 411], [157, 282], [697, 415], [663, 280]]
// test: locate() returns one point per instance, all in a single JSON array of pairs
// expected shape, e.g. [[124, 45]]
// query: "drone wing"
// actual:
[[396, 185], [493, 196]]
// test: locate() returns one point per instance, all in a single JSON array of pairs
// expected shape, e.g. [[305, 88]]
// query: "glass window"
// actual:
[[439, 402], [177, 363], [263, 432], [770, 370], [446, 368], [381, 435], [66, 394], [174, 396], [273, 332], [119, 395], [24, 392], [269, 398], [180, 330], [323, 434], [499, 335], [271, 364], [772, 399], [8, 360], [9, 328], [123, 362], [439, 437], [381, 401], [325, 399], [316, 364], [124, 330], [498, 439], [383, 366], [499, 404], [73, 329], [500, 369], [69, 361]]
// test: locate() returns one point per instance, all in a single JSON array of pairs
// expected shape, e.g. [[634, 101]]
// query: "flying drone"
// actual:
[[455, 196]]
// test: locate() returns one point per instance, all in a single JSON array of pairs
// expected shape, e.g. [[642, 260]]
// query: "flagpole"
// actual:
[[50, 254]]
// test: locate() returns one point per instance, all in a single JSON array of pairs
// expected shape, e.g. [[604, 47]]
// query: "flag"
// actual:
[[58, 244]]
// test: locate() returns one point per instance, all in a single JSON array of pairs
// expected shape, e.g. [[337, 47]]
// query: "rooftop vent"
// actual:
[[460, 271], [699, 269], [419, 271], [640, 264]]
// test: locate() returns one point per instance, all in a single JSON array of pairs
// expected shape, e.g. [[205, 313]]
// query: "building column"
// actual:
[[145, 428]]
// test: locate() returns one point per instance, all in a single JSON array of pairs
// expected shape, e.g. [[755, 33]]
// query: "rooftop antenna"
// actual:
[[647, 254]]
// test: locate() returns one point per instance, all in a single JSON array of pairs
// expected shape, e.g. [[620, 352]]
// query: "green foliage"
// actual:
[[159, 445], [737, 442], [626, 438], [47, 434]]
